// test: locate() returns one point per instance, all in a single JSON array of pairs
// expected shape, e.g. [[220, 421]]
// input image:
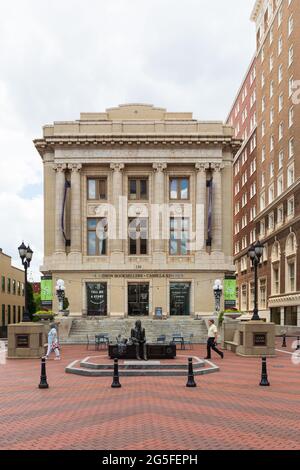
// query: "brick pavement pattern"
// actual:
[[228, 410]]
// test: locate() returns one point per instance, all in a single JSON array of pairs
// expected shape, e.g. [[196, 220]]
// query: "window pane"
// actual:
[[143, 189], [102, 246], [102, 189], [92, 189], [132, 189], [132, 246], [92, 224], [173, 247], [143, 246], [92, 243], [184, 189], [173, 189], [183, 247]]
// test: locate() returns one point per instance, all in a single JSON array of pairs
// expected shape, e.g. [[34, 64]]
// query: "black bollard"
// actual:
[[116, 381], [298, 343], [43, 382], [191, 381], [284, 341], [264, 375]]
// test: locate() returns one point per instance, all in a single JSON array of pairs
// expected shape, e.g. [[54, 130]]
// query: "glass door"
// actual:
[[138, 299], [180, 298]]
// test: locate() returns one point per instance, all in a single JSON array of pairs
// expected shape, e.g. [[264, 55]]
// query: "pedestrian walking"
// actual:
[[53, 344], [212, 340]]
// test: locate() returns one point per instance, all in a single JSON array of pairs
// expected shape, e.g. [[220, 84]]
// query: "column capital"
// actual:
[[60, 167], [117, 167], [75, 167], [217, 167], [201, 166], [159, 167]]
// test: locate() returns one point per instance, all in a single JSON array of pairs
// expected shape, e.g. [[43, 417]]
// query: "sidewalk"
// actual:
[[228, 410]]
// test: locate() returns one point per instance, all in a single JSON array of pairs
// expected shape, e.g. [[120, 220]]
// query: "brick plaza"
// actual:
[[228, 410]]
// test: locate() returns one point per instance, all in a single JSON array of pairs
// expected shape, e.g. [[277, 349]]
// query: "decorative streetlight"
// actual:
[[26, 254], [60, 292], [255, 253], [218, 289]]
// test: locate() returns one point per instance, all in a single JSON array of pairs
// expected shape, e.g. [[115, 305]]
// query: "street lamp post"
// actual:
[[255, 253], [26, 254], [218, 289], [60, 292]]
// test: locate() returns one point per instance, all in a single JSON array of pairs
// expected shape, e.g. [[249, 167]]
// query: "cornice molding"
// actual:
[[50, 144]]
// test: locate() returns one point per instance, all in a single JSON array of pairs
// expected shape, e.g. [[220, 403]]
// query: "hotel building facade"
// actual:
[[277, 176], [138, 211]]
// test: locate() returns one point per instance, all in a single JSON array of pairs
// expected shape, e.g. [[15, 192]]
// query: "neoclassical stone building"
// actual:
[[138, 211]]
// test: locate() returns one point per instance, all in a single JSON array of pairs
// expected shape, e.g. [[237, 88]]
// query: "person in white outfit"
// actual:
[[53, 344]]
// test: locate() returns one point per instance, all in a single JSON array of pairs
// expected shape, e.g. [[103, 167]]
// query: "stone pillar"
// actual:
[[49, 204], [75, 208], [60, 246], [217, 215], [117, 190], [159, 199], [201, 206], [298, 315], [282, 316]]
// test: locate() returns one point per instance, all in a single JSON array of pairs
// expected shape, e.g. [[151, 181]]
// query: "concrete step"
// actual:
[[200, 368], [81, 328]]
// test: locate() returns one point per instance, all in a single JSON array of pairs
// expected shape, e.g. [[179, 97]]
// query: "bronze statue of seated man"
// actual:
[[138, 338]]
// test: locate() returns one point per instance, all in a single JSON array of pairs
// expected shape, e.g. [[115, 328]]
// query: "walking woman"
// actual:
[[53, 344], [212, 340]]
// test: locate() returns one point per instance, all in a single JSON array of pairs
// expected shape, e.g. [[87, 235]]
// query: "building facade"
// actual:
[[138, 211], [242, 117], [277, 161], [12, 295]]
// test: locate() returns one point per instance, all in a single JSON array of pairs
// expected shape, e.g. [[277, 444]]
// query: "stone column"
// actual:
[[60, 246], [75, 207], [282, 316], [217, 215], [159, 199], [49, 204], [298, 315], [201, 206], [117, 191]]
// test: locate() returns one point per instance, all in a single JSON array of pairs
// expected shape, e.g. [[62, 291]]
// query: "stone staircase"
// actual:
[[82, 327]]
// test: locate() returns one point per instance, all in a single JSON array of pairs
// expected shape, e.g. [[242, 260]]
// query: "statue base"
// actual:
[[154, 351]]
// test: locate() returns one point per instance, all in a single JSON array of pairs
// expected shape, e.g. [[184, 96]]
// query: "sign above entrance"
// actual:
[[144, 275]]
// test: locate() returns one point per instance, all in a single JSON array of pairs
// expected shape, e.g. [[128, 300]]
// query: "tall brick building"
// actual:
[[277, 175]]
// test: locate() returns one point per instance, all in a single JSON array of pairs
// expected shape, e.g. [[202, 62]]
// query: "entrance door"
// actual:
[[138, 299], [96, 299], [180, 298]]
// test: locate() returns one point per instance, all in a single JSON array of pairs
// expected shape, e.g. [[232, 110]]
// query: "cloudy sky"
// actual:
[[61, 57]]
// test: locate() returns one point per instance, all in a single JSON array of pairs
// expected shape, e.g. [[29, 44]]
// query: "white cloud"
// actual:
[[60, 57]]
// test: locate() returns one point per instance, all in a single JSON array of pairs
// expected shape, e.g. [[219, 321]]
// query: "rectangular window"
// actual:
[[179, 236], [3, 283], [262, 294], [96, 299], [179, 188], [138, 236], [290, 316], [97, 236], [138, 188], [97, 189]]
